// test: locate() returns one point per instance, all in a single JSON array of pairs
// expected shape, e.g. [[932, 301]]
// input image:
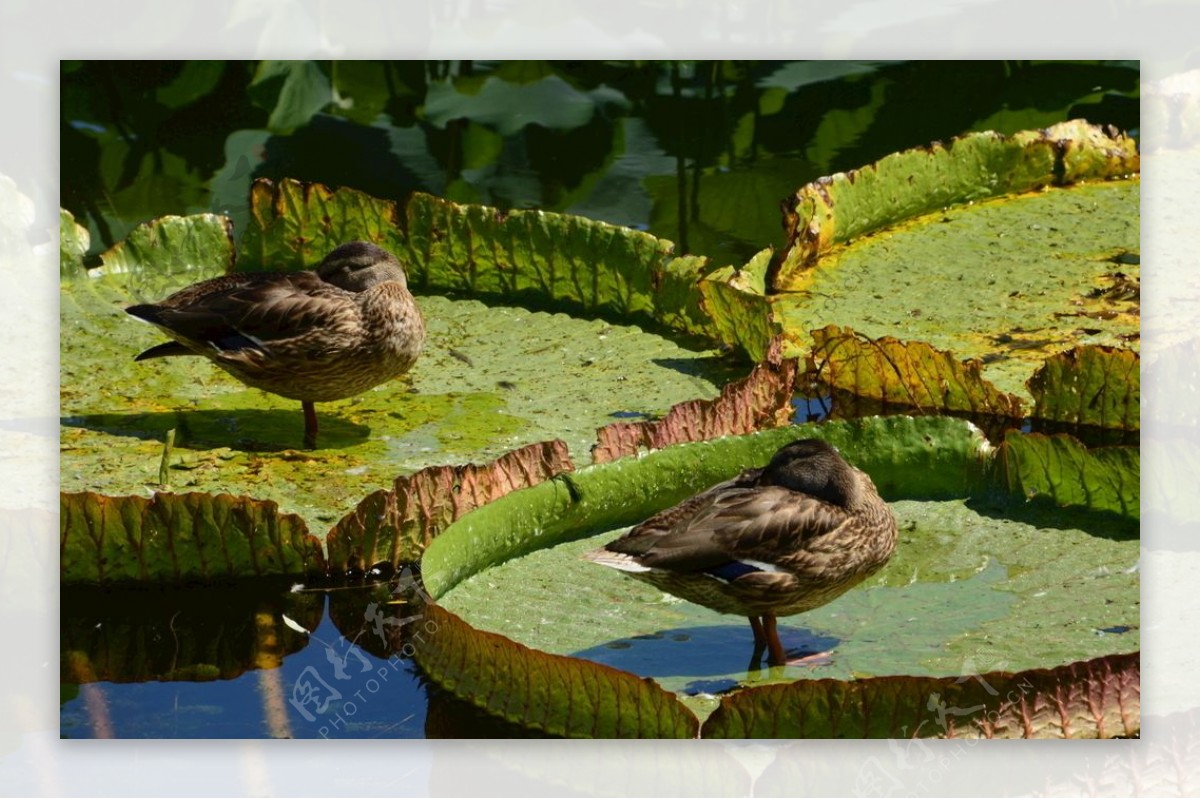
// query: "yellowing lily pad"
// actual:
[[909, 375]]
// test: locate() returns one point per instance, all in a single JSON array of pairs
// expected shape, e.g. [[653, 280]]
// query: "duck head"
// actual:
[[359, 265], [813, 467]]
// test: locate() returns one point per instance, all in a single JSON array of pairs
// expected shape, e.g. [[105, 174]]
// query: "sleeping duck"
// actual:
[[775, 541]]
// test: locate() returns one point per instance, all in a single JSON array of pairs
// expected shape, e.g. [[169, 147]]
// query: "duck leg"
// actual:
[[766, 639], [756, 626], [776, 656], [760, 642], [310, 425]]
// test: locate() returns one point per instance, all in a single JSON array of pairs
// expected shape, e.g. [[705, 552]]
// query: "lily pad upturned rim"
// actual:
[[974, 166], [918, 456]]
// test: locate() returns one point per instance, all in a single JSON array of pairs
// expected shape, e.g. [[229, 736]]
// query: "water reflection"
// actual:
[[236, 662]]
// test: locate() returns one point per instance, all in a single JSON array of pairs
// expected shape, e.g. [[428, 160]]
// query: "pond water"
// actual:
[[227, 662], [700, 153]]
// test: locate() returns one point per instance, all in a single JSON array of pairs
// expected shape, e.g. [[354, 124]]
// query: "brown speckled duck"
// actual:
[[775, 541], [312, 336]]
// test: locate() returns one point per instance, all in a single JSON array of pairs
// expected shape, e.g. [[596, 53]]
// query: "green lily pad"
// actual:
[[1061, 469], [973, 167], [1038, 589], [73, 243], [479, 390], [1008, 281], [180, 538], [1098, 386], [607, 496], [557, 602], [530, 257], [1000, 249]]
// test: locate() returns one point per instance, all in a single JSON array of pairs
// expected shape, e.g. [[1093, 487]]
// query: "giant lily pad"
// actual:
[[479, 390], [908, 457], [907, 248], [522, 256], [970, 168], [1037, 587]]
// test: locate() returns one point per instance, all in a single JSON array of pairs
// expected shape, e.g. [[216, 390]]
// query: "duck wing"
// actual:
[[251, 311], [757, 525]]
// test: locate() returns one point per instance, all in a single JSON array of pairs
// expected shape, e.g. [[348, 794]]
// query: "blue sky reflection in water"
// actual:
[[328, 689]]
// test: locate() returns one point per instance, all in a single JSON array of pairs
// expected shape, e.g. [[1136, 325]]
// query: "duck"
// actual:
[[773, 541], [316, 335]]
